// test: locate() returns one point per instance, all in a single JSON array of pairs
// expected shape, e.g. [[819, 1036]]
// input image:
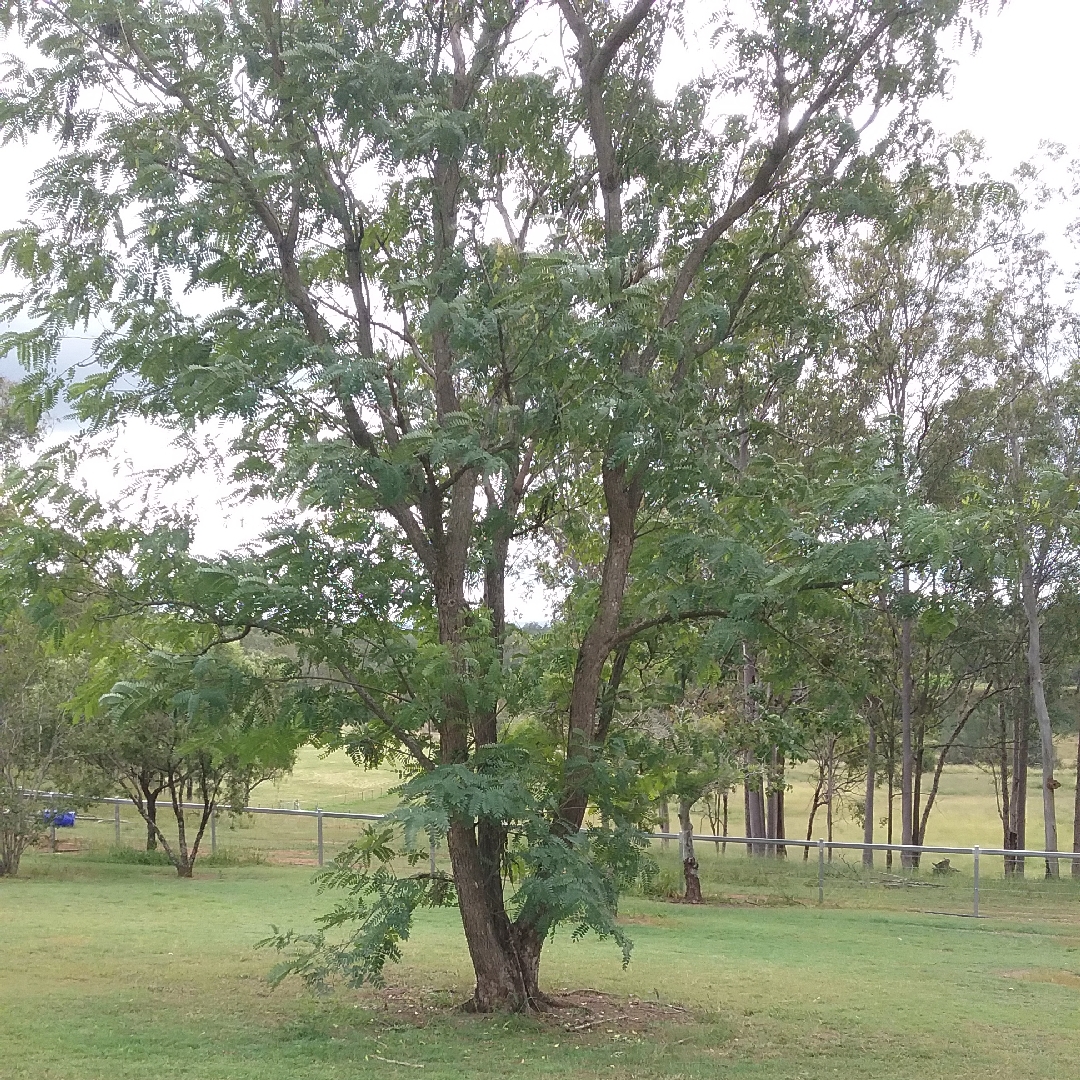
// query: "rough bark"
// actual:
[[692, 894], [505, 957], [1030, 600]]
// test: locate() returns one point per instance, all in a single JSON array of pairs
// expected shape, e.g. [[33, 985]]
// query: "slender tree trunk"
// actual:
[[815, 802], [889, 816], [907, 819], [918, 733], [1003, 768], [961, 722], [150, 800], [664, 817], [771, 823], [755, 792], [747, 831], [1076, 814], [724, 826], [757, 817], [779, 826], [868, 805], [1018, 800], [686, 853], [830, 794], [1042, 714]]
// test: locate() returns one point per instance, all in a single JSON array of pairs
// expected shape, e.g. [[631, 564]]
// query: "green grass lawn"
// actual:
[[116, 971]]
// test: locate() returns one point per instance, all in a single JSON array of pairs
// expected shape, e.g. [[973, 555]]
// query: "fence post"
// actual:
[[821, 871], [975, 896], [318, 815], [213, 831], [116, 821], [431, 857], [52, 836]]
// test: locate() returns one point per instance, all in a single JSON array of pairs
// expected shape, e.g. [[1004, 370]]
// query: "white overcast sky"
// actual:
[[1017, 90]]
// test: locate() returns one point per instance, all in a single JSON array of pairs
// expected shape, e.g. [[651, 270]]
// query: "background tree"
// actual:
[[204, 726], [35, 736]]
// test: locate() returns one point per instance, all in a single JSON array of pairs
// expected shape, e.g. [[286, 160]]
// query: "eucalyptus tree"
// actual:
[[911, 292], [459, 284], [1025, 486]]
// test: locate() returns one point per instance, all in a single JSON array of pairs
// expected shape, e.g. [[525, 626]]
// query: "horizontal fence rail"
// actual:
[[858, 845], [773, 842]]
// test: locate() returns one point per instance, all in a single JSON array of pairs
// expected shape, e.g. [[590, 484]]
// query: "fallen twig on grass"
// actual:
[[394, 1061], [595, 1023]]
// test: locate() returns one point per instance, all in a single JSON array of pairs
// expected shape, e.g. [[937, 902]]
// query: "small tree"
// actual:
[[34, 736], [203, 726], [697, 763]]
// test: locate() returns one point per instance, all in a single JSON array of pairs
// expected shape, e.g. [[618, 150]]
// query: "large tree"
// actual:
[[461, 286]]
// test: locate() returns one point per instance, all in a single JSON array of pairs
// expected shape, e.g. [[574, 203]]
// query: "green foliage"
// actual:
[[36, 736], [456, 305], [378, 908]]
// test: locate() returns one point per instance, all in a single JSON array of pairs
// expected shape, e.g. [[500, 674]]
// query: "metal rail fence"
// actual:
[[851, 845], [821, 846]]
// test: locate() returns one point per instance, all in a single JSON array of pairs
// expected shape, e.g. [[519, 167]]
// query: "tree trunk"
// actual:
[[774, 805], [724, 824], [1042, 714], [1018, 799], [1003, 768], [868, 805], [747, 830], [755, 792], [150, 798], [815, 802], [757, 815], [777, 825], [1076, 814], [907, 819], [889, 816], [505, 958], [664, 817], [918, 759], [965, 715], [686, 853], [830, 794]]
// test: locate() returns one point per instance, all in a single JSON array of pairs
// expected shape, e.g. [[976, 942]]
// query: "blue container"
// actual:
[[62, 819]]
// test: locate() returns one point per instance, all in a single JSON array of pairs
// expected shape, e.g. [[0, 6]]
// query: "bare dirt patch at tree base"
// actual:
[[588, 1010], [574, 1012]]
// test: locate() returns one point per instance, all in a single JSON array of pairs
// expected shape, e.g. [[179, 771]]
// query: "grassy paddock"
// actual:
[[964, 814], [116, 971]]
